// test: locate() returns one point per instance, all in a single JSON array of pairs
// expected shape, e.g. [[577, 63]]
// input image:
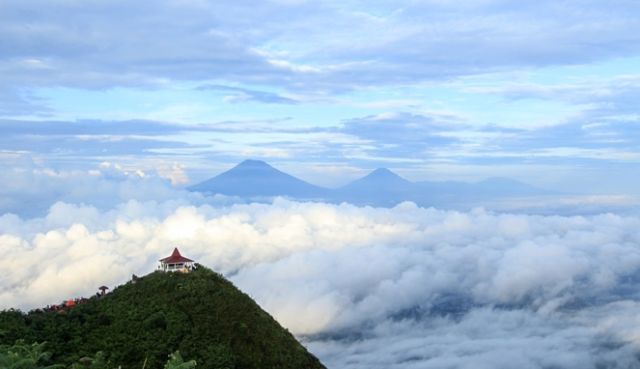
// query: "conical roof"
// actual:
[[175, 258]]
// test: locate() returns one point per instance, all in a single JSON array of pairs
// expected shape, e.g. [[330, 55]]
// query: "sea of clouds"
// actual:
[[362, 287]]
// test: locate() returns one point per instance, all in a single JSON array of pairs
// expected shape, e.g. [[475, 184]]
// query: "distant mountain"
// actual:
[[455, 194], [139, 324], [377, 178], [507, 187], [255, 178], [490, 187], [381, 187]]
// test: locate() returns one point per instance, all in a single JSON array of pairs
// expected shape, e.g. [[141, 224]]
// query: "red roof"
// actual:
[[175, 258]]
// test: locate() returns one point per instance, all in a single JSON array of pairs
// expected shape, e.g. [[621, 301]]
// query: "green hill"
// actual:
[[201, 314]]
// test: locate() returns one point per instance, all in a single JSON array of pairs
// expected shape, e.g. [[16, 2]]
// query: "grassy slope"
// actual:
[[201, 314]]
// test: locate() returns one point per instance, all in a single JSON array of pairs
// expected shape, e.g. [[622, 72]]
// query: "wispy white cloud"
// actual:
[[238, 94], [305, 45]]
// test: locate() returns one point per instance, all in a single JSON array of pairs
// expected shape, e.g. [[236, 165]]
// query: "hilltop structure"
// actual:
[[103, 290], [139, 324], [176, 263]]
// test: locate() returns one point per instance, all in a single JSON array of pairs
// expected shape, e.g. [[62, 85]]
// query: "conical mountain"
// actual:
[[255, 178], [381, 187], [379, 178], [139, 324]]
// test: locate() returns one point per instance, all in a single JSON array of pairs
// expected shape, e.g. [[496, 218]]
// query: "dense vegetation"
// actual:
[[32, 356], [200, 314]]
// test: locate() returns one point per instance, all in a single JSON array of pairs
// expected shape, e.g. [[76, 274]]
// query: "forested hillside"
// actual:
[[199, 314]]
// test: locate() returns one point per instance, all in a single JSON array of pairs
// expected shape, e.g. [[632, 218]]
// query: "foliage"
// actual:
[[25, 356], [177, 362], [99, 361], [201, 314], [31, 356]]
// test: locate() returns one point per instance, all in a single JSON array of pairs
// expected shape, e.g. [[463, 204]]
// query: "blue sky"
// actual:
[[544, 92]]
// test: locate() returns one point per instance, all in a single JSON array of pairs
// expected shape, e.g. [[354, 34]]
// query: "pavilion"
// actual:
[[103, 290], [176, 263]]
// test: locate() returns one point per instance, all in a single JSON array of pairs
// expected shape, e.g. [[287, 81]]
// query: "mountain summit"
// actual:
[[251, 164], [255, 178], [380, 187], [381, 177], [139, 324]]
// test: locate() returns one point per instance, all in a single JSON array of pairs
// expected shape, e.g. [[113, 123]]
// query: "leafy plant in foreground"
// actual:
[[177, 362], [25, 356]]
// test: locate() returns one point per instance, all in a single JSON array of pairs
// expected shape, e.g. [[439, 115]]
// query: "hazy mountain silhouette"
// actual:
[[381, 187], [380, 176], [255, 178], [452, 193], [505, 186]]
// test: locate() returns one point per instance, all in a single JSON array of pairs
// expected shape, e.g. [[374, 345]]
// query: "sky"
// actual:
[[541, 92]]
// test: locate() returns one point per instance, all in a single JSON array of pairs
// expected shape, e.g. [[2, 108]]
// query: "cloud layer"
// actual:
[[365, 287]]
